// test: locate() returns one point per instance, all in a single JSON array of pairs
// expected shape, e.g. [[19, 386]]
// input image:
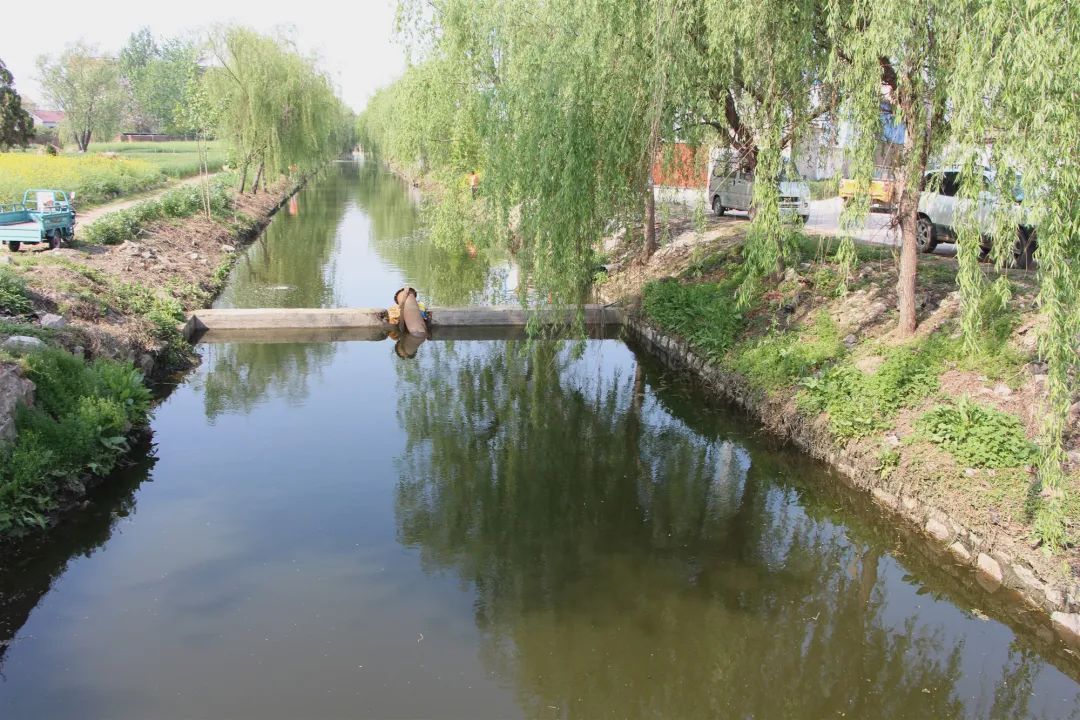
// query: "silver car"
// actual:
[[734, 190]]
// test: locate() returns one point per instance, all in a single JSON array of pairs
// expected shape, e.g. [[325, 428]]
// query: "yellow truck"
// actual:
[[882, 189]]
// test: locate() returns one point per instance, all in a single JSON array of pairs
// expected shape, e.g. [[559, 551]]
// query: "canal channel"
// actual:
[[490, 529]]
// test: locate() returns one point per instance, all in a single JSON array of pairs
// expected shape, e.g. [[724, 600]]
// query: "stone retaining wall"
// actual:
[[999, 560]]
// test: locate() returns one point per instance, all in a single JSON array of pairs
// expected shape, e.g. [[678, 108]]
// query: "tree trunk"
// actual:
[[650, 220], [243, 178], [916, 155], [255, 184], [908, 215]]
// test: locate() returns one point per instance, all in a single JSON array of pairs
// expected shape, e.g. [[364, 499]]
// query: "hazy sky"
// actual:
[[354, 40]]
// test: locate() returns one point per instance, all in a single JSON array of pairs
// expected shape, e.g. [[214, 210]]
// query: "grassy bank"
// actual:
[[955, 426], [121, 304], [96, 179]]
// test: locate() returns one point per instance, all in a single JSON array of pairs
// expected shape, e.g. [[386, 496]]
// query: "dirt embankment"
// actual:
[[118, 301], [979, 517]]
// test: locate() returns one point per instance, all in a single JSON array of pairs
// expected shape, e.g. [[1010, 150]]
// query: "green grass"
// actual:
[[13, 297], [78, 424], [176, 159], [779, 359], [704, 314], [128, 224], [162, 310], [859, 404]]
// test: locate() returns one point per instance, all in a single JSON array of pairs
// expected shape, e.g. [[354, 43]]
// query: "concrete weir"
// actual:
[[300, 324]]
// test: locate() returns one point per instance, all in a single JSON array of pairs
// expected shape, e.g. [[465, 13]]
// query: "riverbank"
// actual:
[[104, 318], [941, 438]]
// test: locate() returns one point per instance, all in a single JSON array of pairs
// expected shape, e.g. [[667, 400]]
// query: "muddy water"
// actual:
[[490, 529]]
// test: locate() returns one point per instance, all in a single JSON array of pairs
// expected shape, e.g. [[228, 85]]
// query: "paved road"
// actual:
[[825, 220]]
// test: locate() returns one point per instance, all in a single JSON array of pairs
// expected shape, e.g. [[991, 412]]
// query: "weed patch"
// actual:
[[977, 436], [79, 424], [705, 314], [13, 297], [859, 404], [779, 359]]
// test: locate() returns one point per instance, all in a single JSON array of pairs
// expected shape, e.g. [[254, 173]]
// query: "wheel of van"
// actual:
[[924, 236], [54, 240], [1024, 250], [717, 207], [14, 246]]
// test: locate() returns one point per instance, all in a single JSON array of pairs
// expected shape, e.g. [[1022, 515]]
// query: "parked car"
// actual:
[[734, 190], [43, 216], [939, 207], [882, 189]]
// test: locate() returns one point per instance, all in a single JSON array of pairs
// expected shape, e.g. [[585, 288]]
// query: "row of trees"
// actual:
[[274, 105], [562, 105]]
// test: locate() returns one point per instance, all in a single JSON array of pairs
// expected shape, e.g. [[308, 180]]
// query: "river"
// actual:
[[490, 529]]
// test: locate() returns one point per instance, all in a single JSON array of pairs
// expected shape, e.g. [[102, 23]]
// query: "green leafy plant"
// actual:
[[704, 314], [977, 436], [79, 424], [859, 404], [13, 297], [780, 358]]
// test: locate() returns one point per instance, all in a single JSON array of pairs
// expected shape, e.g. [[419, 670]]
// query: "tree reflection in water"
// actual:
[[625, 564]]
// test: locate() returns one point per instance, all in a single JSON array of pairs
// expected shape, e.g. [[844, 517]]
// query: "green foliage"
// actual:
[[705, 314], [79, 424], [859, 404], [888, 462], [16, 125], [156, 75], [116, 227], [823, 189], [978, 436], [780, 358], [84, 82], [13, 298], [276, 107]]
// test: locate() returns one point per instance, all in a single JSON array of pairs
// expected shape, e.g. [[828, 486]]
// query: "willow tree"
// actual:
[[1016, 88], [755, 71], [902, 55], [277, 108]]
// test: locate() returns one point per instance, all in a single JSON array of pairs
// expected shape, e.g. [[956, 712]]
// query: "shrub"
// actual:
[[116, 227], [13, 297], [977, 436]]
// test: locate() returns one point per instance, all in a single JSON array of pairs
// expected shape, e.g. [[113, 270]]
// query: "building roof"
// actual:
[[56, 116]]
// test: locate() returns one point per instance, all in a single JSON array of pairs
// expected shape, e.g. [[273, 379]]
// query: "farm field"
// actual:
[[176, 159], [94, 178]]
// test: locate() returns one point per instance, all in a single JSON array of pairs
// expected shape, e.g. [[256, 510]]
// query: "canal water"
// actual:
[[491, 529]]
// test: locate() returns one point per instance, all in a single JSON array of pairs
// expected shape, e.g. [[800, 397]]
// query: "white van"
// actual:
[[734, 190]]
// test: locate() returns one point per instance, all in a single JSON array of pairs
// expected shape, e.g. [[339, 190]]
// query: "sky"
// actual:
[[354, 41]]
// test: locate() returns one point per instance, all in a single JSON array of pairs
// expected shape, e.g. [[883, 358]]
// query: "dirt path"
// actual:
[[88, 216]]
